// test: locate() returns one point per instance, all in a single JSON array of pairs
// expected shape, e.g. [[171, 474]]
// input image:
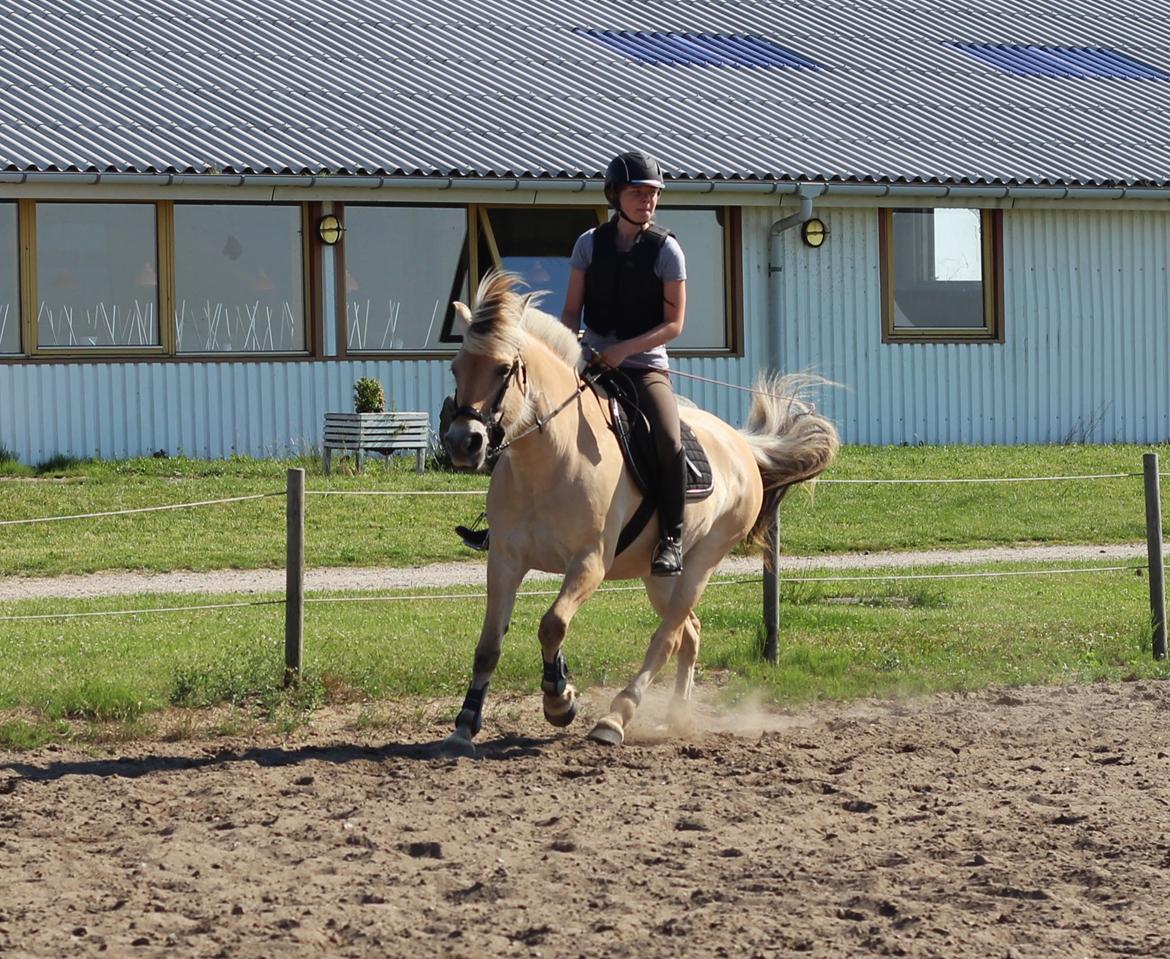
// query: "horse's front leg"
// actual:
[[581, 580], [503, 579]]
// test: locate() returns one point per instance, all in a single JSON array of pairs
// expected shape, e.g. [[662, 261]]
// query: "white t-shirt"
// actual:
[[670, 265]]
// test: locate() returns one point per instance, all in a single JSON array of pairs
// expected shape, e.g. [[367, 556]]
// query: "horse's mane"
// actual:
[[502, 317]]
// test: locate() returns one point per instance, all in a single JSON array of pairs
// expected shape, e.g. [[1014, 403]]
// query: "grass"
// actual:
[[85, 677], [839, 640], [389, 530]]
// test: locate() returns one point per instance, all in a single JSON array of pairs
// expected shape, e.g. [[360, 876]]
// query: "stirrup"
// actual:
[[473, 537], [667, 559], [476, 539]]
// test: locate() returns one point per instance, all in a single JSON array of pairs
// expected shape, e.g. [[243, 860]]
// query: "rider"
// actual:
[[629, 276]]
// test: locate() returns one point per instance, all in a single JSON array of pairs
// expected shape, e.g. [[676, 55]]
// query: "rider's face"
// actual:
[[639, 201]]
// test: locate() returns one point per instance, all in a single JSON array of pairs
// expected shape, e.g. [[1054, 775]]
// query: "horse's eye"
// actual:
[[503, 370]]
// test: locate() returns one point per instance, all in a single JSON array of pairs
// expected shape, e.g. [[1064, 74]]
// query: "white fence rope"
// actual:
[[416, 597], [85, 614], [391, 492], [140, 509], [988, 479]]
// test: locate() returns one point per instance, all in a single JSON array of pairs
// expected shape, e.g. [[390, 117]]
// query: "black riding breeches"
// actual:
[[656, 400]]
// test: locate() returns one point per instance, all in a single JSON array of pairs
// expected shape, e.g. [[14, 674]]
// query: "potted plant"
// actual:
[[368, 396], [369, 428]]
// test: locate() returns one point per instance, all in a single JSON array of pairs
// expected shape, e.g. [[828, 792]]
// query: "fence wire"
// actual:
[[140, 509], [482, 595]]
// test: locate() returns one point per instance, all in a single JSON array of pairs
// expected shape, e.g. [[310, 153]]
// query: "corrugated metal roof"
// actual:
[[519, 88]]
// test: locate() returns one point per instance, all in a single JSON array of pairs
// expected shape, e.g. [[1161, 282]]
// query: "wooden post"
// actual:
[[1154, 552], [772, 590], [294, 601]]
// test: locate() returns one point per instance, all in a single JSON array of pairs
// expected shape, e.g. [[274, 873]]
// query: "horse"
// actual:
[[560, 495]]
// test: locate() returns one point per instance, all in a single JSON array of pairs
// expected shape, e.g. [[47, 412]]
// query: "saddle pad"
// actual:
[[633, 435]]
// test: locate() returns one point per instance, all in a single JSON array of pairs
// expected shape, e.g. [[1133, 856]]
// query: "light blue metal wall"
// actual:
[[204, 410], [1086, 355]]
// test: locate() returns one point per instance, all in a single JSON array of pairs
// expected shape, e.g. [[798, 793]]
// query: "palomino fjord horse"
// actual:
[[560, 496]]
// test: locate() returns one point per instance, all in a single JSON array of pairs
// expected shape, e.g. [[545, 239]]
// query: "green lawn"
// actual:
[[413, 530], [839, 639]]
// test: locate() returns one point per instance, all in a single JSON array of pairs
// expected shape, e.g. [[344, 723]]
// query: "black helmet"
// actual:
[[635, 168]]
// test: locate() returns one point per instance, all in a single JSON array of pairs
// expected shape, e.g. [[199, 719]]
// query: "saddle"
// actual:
[[632, 430]]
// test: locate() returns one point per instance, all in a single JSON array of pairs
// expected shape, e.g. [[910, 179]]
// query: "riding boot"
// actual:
[[667, 559]]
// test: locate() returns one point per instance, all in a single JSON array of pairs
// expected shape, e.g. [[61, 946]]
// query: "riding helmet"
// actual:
[[632, 168]]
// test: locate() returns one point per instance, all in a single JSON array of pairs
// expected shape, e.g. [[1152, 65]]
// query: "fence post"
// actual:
[[772, 590], [1154, 552], [294, 599]]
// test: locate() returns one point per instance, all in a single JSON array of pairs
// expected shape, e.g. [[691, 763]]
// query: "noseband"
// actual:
[[490, 415]]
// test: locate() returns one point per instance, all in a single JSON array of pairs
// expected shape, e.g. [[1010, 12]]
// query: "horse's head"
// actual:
[[489, 372]]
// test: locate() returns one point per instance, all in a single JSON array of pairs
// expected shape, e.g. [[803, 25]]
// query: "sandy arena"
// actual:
[[1021, 823]]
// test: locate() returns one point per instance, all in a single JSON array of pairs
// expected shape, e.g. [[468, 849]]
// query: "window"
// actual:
[[941, 275], [710, 313], [9, 281], [537, 244], [403, 268], [96, 276], [239, 279]]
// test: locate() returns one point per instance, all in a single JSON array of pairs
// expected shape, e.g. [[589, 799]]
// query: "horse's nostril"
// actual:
[[474, 442]]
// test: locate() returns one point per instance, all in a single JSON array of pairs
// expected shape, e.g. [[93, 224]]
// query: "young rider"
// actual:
[[629, 278]]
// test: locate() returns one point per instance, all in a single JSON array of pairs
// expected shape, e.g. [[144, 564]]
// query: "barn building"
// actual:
[[215, 218]]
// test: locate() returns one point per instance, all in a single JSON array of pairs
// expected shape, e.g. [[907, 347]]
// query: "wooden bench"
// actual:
[[382, 433]]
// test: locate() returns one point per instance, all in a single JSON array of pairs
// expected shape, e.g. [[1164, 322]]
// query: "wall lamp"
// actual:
[[329, 228], [814, 232]]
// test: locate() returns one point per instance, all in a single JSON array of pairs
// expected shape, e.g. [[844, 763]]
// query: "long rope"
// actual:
[[141, 509], [418, 597]]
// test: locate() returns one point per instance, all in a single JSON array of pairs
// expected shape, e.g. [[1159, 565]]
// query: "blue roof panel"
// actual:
[[698, 49], [1042, 61]]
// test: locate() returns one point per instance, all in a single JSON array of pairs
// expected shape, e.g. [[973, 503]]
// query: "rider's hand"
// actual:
[[610, 358]]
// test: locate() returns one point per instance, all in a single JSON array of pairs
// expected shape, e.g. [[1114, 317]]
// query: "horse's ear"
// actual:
[[525, 302], [462, 311]]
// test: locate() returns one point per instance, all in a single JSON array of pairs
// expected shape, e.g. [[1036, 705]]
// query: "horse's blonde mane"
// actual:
[[502, 317]]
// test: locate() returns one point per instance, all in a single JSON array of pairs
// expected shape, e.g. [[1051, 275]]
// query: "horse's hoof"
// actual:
[[564, 717], [608, 733], [456, 745]]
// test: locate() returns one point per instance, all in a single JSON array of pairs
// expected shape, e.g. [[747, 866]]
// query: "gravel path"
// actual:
[[114, 583]]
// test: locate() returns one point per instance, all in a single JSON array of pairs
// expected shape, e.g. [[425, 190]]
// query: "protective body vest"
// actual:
[[623, 296]]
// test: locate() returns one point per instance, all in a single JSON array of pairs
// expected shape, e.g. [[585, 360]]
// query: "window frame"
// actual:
[[167, 348], [28, 291], [991, 239]]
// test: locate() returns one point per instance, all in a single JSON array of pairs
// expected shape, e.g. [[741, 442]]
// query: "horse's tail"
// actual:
[[791, 442]]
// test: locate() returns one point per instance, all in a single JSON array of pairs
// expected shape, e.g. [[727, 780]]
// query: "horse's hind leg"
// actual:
[[667, 638], [560, 698], [660, 590], [680, 718]]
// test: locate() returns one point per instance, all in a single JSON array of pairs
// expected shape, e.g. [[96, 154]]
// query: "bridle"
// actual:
[[491, 415]]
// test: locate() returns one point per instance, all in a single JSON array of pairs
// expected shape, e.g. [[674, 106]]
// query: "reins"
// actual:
[[490, 417], [541, 423]]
